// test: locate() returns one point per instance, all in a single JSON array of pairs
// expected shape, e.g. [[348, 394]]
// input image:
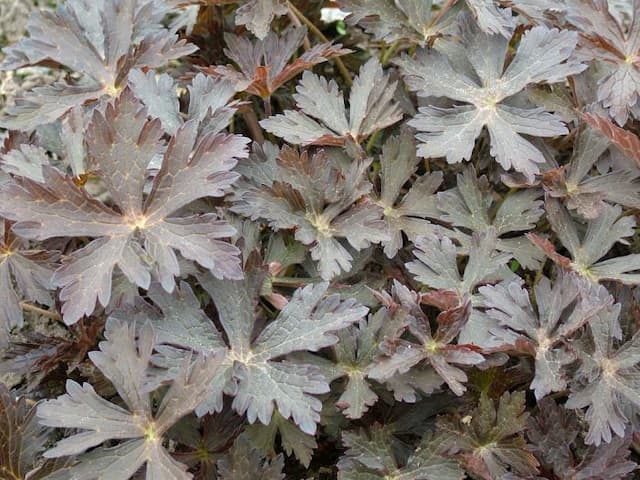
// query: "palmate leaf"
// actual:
[[264, 64], [468, 207], [492, 442], [356, 354], [607, 381], [244, 462], [405, 213], [283, 432], [22, 440], [36, 356], [305, 323], [125, 362], [257, 15], [324, 202], [210, 100], [562, 309], [358, 396], [323, 118], [203, 441], [554, 433], [605, 39], [138, 236], [587, 193], [103, 40], [588, 249], [436, 263], [477, 77], [416, 21], [253, 369], [410, 20], [24, 274], [370, 456], [436, 266], [433, 349]]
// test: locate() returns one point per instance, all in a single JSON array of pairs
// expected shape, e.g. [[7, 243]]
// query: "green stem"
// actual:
[[393, 48], [372, 141], [536, 280]]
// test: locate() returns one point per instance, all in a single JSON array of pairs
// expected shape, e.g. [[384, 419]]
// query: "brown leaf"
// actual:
[[262, 67], [441, 299], [451, 321], [38, 356], [555, 183], [626, 141], [549, 250]]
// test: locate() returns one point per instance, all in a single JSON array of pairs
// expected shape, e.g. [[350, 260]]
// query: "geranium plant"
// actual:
[[313, 239]]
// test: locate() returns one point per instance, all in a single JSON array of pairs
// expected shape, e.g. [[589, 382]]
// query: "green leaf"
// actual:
[[292, 439], [243, 462], [370, 455], [492, 442]]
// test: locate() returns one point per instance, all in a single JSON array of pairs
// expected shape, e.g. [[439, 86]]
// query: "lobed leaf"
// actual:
[[323, 118], [103, 41], [138, 235], [544, 55]]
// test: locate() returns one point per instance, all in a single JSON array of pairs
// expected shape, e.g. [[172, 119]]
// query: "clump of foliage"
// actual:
[[240, 240]]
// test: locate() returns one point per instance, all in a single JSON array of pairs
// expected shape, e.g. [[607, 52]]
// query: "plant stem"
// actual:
[[296, 21], [372, 141], [267, 106], [251, 120], [290, 281], [389, 52], [313, 29], [40, 311]]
